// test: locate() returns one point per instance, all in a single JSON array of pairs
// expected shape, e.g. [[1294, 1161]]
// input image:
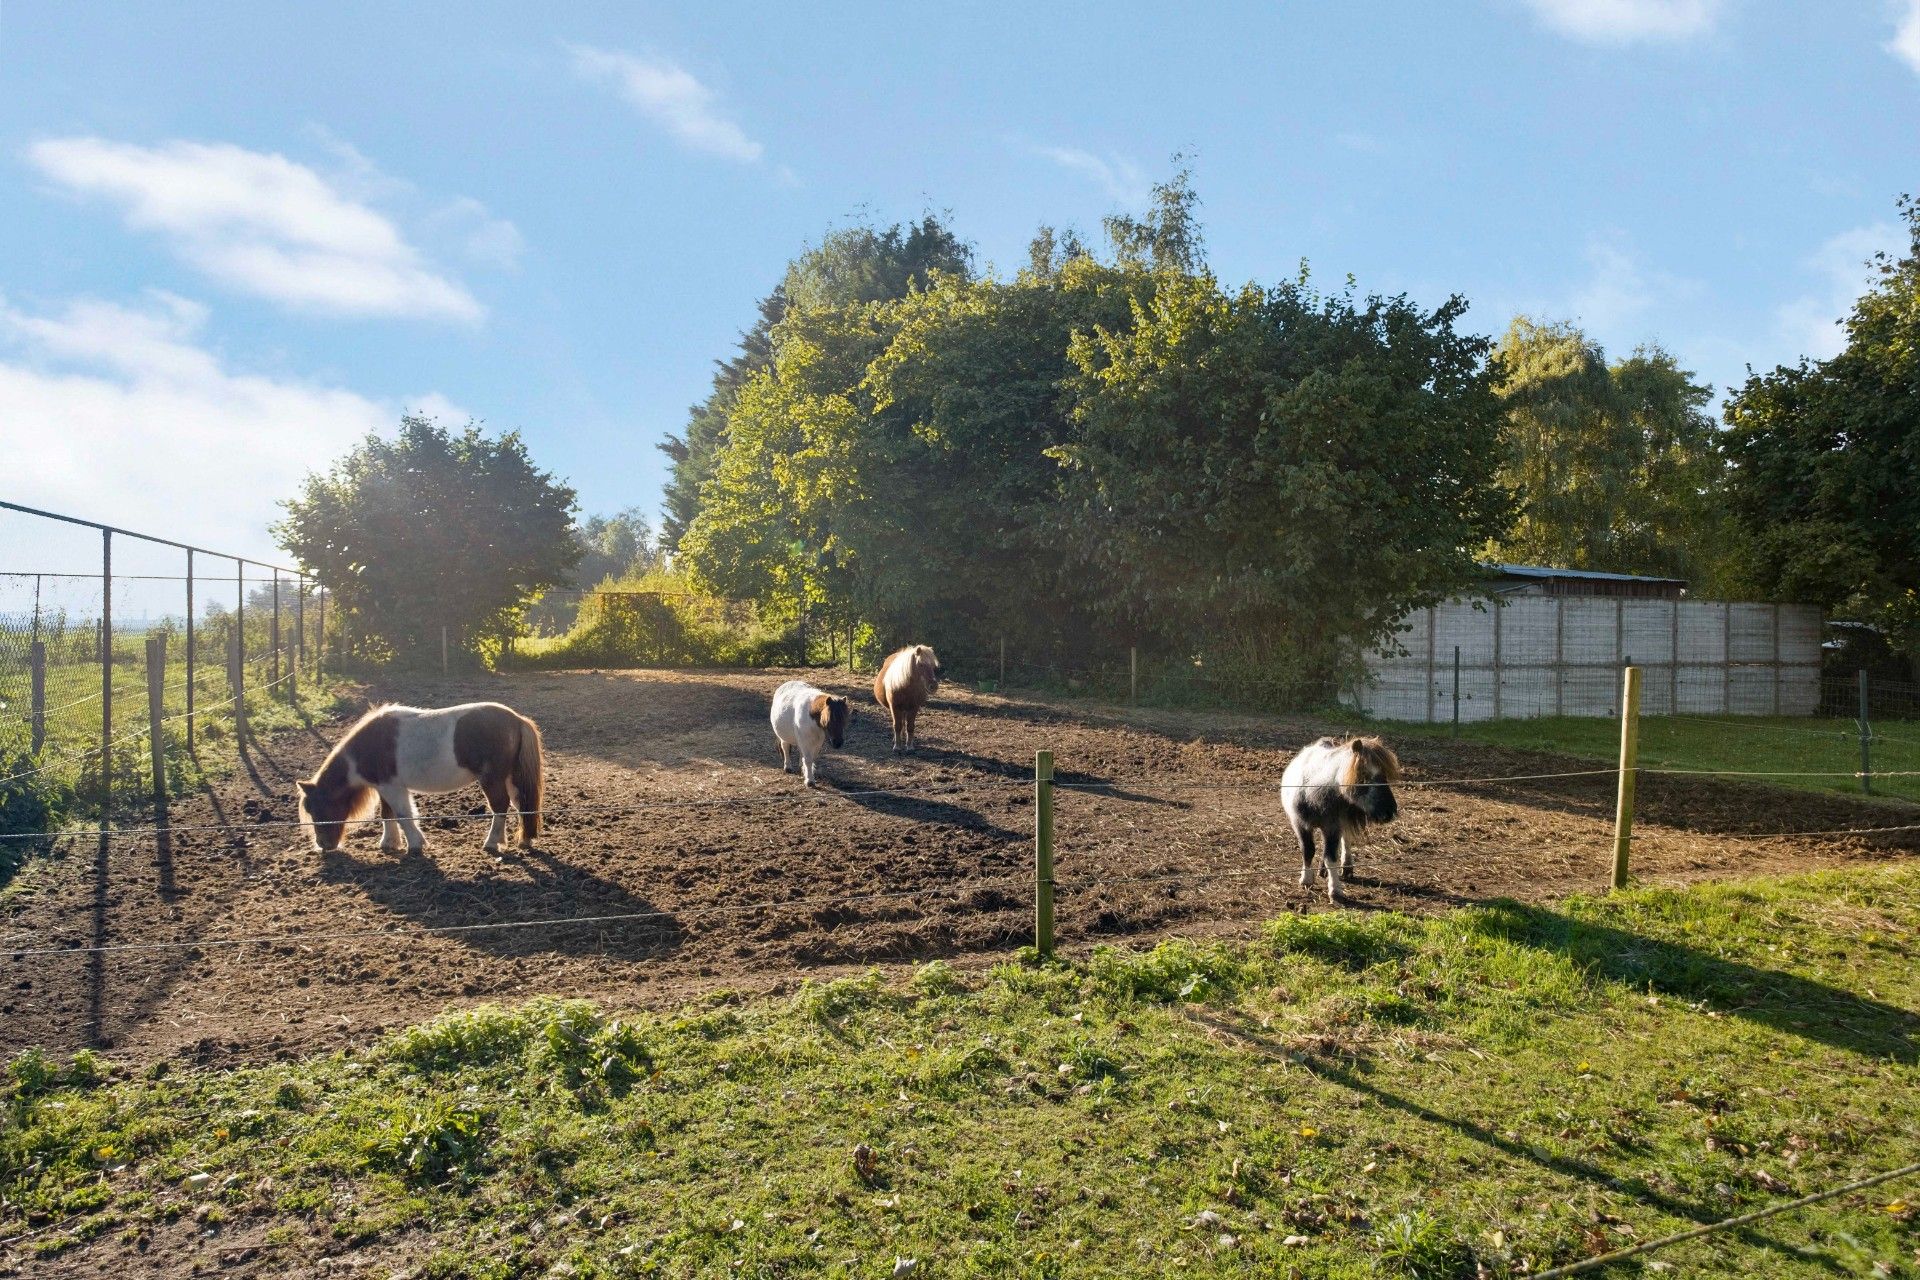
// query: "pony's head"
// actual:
[[1367, 779], [832, 714], [929, 664], [327, 810]]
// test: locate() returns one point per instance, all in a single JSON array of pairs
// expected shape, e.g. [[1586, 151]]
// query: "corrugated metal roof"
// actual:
[[1540, 571]]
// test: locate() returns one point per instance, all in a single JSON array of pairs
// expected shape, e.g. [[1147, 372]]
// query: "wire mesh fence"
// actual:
[[124, 657]]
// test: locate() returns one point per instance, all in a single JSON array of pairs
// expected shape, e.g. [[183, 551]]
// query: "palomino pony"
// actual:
[[1337, 789], [903, 685], [395, 751]]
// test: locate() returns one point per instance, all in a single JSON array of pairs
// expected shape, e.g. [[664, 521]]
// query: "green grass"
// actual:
[[1741, 743], [1350, 1095], [61, 785]]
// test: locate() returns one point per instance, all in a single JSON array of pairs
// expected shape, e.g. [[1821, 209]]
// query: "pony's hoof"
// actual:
[[490, 848]]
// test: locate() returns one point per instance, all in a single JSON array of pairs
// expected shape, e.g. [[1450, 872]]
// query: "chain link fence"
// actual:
[[129, 663]]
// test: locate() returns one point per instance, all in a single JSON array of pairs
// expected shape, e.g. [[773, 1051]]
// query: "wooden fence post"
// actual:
[[1629, 771], [156, 714], [237, 677], [37, 656], [1043, 852], [106, 676], [189, 650]]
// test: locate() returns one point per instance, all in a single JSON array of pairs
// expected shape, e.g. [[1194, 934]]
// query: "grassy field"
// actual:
[[1745, 743], [1483, 1092]]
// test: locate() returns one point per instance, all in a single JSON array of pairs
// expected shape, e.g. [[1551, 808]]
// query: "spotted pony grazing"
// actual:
[[394, 751]]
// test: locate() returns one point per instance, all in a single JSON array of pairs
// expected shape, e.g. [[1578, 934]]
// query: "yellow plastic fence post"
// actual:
[[1043, 852], [1629, 769]]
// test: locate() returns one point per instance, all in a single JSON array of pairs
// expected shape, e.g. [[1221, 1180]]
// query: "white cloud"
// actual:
[[1120, 178], [479, 235], [260, 223], [1905, 44], [1619, 22], [119, 413], [670, 96], [1621, 290], [1841, 270]]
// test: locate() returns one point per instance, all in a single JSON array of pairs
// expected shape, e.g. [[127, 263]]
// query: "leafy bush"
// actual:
[[659, 620]]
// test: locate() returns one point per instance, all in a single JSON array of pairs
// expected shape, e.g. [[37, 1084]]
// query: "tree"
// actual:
[[1277, 473], [849, 267], [1615, 465], [1826, 463], [613, 546], [1100, 452], [432, 529], [692, 453]]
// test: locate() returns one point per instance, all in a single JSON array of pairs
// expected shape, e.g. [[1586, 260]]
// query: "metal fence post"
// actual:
[[156, 714], [1002, 686], [1629, 772], [443, 649], [320, 650], [189, 650], [1456, 691], [1866, 739], [37, 656], [1133, 673], [106, 674], [1043, 852]]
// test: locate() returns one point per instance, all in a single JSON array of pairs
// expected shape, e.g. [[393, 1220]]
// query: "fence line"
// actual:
[[556, 922], [1739, 1220]]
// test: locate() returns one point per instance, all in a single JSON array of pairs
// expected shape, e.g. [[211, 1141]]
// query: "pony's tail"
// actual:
[[527, 779]]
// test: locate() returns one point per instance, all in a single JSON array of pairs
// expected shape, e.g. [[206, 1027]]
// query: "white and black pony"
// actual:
[[1337, 789]]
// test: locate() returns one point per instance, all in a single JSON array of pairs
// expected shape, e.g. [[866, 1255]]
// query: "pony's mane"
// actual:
[[1372, 750]]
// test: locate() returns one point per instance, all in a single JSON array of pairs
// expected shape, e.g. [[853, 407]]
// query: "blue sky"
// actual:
[[235, 237]]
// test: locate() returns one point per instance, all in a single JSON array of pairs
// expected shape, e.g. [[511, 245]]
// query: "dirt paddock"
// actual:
[[671, 814]]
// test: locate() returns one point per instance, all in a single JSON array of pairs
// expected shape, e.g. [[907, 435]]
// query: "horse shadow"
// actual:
[[528, 903], [1782, 1002], [916, 807]]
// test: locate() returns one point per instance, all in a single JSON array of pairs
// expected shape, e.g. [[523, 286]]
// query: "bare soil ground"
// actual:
[[685, 861]]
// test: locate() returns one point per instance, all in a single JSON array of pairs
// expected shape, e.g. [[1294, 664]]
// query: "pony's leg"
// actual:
[[405, 816], [786, 756], [1332, 837], [1305, 836], [497, 803], [807, 765], [1346, 853], [389, 829], [913, 724]]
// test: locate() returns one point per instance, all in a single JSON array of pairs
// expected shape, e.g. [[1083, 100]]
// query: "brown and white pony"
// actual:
[[904, 684], [394, 751], [1338, 789]]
